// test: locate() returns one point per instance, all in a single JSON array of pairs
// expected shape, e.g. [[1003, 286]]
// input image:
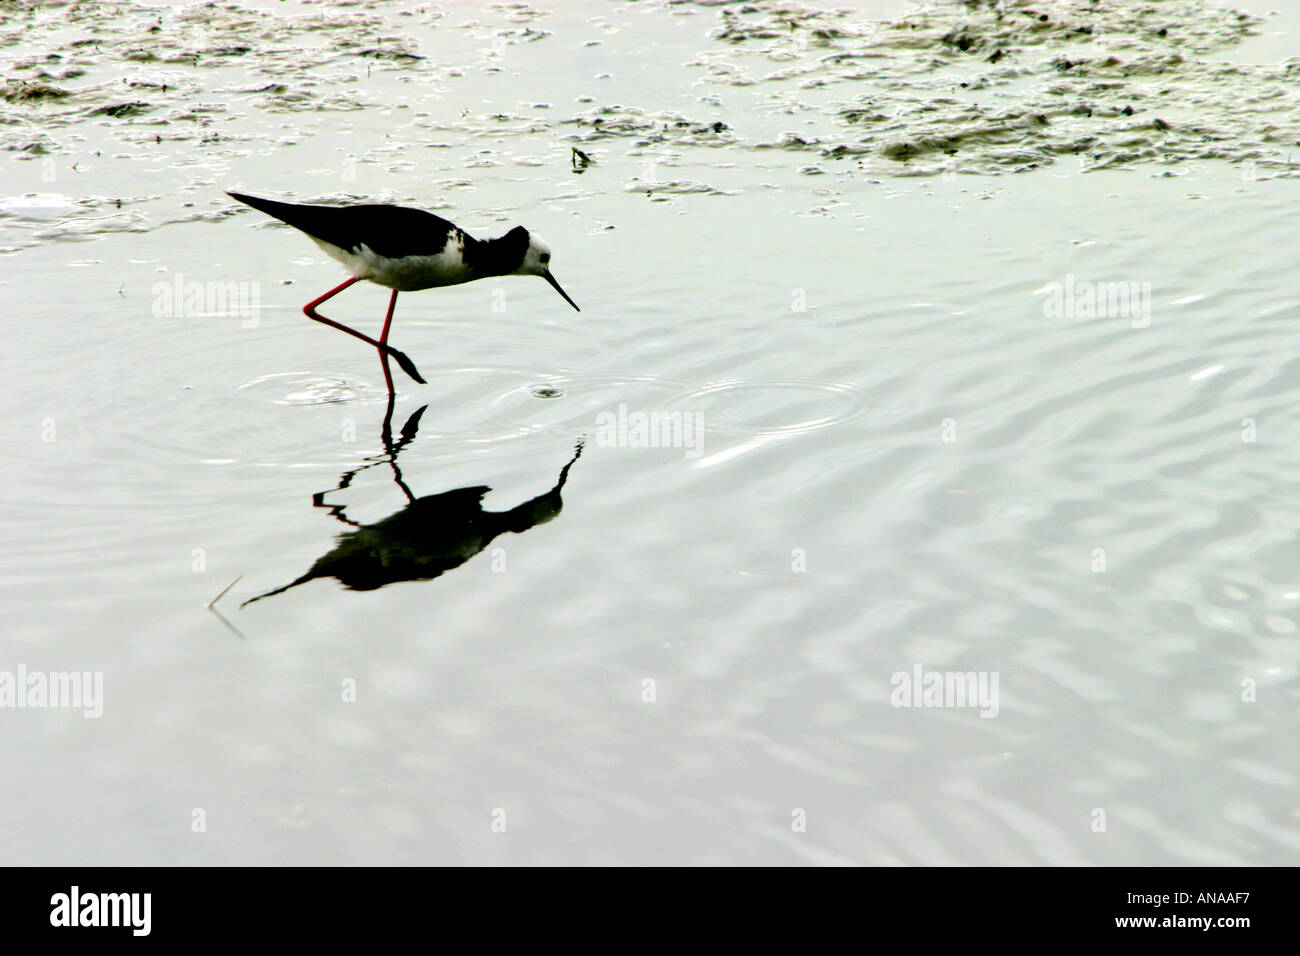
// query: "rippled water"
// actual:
[[840, 242]]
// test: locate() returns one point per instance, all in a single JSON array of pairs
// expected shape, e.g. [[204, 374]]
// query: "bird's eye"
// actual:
[[545, 257]]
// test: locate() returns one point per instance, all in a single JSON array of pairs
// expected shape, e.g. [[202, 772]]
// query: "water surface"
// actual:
[[800, 230]]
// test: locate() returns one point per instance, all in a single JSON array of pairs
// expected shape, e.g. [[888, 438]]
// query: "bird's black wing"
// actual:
[[391, 231]]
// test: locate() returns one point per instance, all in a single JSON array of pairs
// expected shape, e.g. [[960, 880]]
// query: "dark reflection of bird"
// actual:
[[429, 536]]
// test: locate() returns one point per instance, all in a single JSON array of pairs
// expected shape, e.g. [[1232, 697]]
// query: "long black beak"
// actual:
[[551, 279]]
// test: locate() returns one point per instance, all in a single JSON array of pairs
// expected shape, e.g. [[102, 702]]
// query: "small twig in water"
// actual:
[[212, 606], [226, 591]]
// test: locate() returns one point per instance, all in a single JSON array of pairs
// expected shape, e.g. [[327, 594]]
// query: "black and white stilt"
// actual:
[[405, 250]]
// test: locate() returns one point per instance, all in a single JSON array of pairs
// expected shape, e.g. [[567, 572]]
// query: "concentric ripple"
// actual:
[[306, 389], [772, 409]]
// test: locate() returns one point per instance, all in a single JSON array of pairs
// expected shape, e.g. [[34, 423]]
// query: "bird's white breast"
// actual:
[[408, 273]]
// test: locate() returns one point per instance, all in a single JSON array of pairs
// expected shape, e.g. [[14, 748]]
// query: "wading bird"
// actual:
[[405, 250]]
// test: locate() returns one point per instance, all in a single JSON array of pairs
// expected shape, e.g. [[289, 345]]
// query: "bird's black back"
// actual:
[[391, 231]]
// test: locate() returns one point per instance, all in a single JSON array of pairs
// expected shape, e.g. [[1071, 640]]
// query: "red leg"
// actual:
[[383, 340], [309, 310]]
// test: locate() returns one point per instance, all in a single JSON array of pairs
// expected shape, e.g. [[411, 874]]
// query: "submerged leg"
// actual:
[[309, 310], [383, 340]]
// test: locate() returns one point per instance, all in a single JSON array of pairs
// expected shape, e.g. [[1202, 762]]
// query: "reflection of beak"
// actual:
[[551, 279]]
